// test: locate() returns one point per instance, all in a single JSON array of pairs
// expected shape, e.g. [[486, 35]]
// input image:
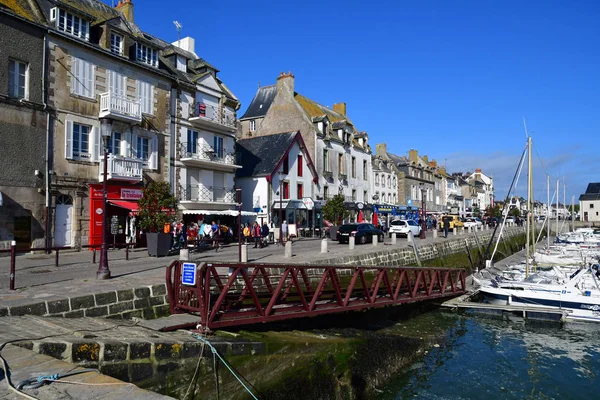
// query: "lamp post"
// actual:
[[423, 213], [239, 200], [280, 207], [106, 131]]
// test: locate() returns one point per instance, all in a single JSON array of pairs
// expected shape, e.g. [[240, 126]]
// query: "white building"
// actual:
[[484, 186], [589, 203]]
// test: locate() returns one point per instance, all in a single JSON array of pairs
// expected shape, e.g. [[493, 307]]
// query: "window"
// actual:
[[365, 196], [300, 165], [117, 83], [354, 167], [192, 141], [353, 194], [286, 165], [218, 146], [82, 142], [82, 78], [143, 148], [17, 79], [73, 25], [300, 191], [146, 95], [286, 190], [341, 163], [146, 54], [389, 182], [252, 125], [365, 170], [325, 192], [116, 44], [591, 205], [114, 143], [326, 160]]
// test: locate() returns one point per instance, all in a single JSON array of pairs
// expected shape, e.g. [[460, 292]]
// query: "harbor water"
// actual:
[[481, 358]]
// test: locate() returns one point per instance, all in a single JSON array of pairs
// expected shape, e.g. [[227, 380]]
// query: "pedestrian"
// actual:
[[246, 232], [446, 222], [256, 234], [284, 230], [264, 234]]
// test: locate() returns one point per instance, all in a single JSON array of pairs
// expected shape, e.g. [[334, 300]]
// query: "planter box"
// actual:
[[158, 243], [333, 232]]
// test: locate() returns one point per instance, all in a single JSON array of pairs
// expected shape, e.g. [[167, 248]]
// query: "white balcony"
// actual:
[[120, 108], [122, 169], [210, 117], [205, 156], [193, 196]]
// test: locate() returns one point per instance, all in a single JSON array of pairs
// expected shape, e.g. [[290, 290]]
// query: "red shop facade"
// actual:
[[121, 209]]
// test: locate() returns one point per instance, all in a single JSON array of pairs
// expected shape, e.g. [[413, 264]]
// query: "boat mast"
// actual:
[[548, 213], [572, 213], [557, 194], [565, 201], [529, 213]]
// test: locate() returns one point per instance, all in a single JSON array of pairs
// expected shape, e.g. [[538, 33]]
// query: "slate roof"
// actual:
[[592, 192], [314, 109], [261, 102], [260, 155]]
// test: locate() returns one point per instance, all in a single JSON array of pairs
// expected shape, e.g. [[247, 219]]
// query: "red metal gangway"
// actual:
[[271, 292]]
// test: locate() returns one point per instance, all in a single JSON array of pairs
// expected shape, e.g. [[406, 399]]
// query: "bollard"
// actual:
[[244, 253], [409, 237], [470, 229], [374, 240], [13, 254], [288, 249], [394, 239], [56, 258], [462, 230], [351, 241], [454, 231], [93, 255], [127, 252], [324, 245], [184, 255], [435, 233]]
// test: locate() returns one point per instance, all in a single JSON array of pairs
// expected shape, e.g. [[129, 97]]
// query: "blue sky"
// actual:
[[452, 79]]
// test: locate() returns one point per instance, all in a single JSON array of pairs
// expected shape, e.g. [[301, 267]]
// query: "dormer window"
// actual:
[[116, 44], [181, 63], [72, 24], [146, 54]]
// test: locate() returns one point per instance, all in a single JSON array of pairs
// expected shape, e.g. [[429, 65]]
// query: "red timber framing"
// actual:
[[256, 293]]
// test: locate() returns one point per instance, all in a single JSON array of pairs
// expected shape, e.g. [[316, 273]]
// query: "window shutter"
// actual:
[[69, 139], [133, 145], [94, 144], [126, 145], [90, 79], [154, 155], [74, 76], [150, 109]]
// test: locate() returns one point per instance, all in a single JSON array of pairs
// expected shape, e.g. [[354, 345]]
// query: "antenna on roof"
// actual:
[[178, 26]]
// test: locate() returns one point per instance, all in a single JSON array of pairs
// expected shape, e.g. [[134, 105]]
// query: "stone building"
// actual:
[[23, 127], [341, 152], [422, 181]]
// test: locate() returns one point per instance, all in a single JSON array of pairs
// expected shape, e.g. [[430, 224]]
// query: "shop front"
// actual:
[[121, 209]]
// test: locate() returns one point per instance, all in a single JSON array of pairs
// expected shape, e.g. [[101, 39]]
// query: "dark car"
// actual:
[[362, 232]]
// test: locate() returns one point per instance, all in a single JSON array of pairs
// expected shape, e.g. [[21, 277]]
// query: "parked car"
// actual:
[[472, 222], [455, 222], [402, 227], [362, 232], [510, 220]]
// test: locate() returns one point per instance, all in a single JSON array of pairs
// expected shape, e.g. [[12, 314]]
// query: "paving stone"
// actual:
[[114, 351], [162, 311], [141, 371], [141, 303], [58, 306], [82, 302], [120, 307], [148, 313], [96, 311], [159, 290], [139, 350], [26, 345], [53, 349], [74, 314], [118, 371], [124, 295], [30, 309], [167, 351], [105, 298], [157, 300], [85, 351], [141, 293]]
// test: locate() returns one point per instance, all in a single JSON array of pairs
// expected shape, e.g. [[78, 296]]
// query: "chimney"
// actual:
[[443, 170], [381, 149], [340, 108], [187, 44], [426, 159], [285, 83], [433, 163], [126, 7], [413, 155]]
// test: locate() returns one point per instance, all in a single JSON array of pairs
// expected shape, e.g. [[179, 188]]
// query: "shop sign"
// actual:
[[360, 205], [308, 202], [131, 194]]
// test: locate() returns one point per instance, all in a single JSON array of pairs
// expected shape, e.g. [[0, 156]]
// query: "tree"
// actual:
[[495, 211], [157, 207], [514, 212], [334, 210]]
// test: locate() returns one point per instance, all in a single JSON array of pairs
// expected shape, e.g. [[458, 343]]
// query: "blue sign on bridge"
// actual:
[[188, 274]]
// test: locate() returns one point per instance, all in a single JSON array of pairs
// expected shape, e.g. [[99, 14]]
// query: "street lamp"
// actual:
[[423, 213], [239, 200], [106, 131], [280, 207]]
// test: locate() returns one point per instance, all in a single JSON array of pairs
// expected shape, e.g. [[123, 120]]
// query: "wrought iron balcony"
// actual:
[[121, 169], [196, 154], [206, 115], [208, 194], [120, 108]]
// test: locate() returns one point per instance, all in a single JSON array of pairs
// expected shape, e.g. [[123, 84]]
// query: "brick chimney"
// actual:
[[126, 7], [413, 155], [426, 159], [478, 170], [340, 108], [285, 83], [433, 163], [380, 149]]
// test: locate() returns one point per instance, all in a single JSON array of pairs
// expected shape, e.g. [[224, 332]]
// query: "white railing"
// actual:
[[203, 152], [212, 113], [122, 168], [111, 103]]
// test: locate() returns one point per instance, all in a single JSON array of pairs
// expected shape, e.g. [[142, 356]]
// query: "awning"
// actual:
[[128, 205], [233, 213]]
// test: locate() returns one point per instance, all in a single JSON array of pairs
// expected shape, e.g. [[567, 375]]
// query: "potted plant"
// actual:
[[157, 208]]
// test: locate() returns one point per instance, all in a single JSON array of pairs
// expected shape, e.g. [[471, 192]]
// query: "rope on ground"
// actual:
[[216, 354], [35, 383]]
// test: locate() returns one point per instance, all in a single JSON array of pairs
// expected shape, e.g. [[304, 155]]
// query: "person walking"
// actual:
[[256, 234], [246, 232], [446, 221], [284, 230]]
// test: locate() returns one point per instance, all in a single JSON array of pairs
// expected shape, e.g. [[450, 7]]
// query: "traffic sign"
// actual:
[[188, 274]]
